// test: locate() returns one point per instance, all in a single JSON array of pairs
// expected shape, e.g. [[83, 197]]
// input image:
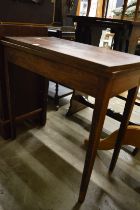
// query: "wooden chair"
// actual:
[[132, 137]]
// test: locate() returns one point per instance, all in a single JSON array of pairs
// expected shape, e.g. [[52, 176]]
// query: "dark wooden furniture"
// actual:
[[22, 29], [30, 89], [64, 32], [96, 73], [89, 30]]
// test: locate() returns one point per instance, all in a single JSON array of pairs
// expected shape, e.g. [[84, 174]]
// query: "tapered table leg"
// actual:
[[101, 104], [132, 93], [10, 98], [43, 115]]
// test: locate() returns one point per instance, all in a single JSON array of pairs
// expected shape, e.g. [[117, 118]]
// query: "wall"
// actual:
[[14, 10]]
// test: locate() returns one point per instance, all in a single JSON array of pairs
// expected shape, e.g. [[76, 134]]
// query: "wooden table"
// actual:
[[95, 71]]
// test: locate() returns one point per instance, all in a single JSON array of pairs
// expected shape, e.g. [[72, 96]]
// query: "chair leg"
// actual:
[[10, 98]]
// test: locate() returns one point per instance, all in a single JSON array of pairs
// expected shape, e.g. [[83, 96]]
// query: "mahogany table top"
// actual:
[[106, 61]]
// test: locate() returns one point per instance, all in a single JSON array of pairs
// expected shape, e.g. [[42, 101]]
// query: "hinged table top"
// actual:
[[87, 57]]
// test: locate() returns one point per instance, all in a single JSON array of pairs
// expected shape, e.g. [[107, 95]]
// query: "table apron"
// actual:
[[68, 75]]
